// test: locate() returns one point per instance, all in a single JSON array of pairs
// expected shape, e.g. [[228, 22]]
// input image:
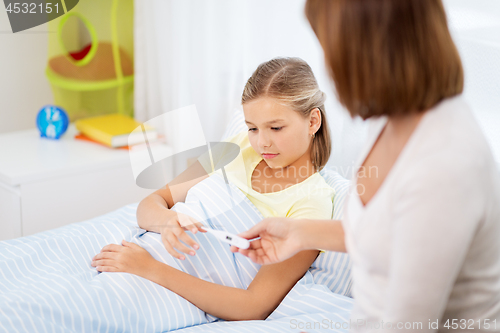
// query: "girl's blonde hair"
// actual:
[[292, 81]]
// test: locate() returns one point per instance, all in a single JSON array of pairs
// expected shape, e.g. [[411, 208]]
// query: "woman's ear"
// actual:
[[314, 121]]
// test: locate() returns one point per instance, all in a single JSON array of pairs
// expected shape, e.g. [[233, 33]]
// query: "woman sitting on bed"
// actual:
[[287, 143]]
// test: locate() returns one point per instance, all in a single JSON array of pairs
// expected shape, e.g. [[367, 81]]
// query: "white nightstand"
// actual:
[[47, 183]]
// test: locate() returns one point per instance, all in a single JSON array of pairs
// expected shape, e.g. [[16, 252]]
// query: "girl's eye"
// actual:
[[252, 129], [276, 128]]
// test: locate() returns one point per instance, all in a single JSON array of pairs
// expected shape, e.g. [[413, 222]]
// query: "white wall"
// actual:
[[23, 86], [475, 26]]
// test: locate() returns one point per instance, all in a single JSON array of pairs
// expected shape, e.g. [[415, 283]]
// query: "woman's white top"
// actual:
[[426, 247]]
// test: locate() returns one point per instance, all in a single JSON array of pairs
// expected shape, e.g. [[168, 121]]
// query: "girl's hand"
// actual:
[[172, 233], [279, 240], [129, 258]]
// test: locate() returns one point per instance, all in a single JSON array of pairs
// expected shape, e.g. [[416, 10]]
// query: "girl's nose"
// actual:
[[264, 141]]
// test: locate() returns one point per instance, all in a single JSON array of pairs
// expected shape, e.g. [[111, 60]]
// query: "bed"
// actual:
[[47, 283]]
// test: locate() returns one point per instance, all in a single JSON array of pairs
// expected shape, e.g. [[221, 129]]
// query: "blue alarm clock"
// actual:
[[52, 122]]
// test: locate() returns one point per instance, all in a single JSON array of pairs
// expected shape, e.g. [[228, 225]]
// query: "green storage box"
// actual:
[[90, 66]]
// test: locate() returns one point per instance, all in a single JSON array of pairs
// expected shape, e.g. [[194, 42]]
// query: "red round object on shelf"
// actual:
[[79, 55]]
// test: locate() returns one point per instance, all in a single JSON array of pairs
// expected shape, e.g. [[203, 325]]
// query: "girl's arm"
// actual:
[[258, 301], [271, 284], [154, 214]]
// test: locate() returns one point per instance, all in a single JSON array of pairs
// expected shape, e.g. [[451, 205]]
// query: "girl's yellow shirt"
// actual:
[[309, 199]]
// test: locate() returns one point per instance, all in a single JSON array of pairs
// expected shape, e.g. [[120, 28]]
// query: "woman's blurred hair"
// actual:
[[387, 57]]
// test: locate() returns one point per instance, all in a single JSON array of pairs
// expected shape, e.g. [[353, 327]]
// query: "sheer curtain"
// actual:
[[202, 52]]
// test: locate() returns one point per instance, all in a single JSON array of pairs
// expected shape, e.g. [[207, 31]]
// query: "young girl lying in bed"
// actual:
[[287, 143]]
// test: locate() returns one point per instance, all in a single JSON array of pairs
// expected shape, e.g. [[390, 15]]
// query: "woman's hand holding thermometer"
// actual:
[[279, 240]]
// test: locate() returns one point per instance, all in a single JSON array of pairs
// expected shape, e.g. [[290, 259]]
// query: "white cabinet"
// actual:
[[10, 212], [46, 183]]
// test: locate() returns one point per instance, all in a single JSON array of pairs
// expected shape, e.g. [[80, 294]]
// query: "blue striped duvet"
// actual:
[[48, 285]]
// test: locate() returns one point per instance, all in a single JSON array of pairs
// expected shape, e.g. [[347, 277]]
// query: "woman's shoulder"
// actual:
[[451, 125], [448, 151], [449, 136]]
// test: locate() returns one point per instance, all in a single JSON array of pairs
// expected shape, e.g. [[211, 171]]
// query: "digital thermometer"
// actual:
[[227, 237]]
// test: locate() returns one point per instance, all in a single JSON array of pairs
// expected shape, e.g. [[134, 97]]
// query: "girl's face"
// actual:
[[278, 133]]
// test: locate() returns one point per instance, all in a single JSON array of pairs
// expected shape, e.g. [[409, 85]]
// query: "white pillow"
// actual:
[[332, 269]]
